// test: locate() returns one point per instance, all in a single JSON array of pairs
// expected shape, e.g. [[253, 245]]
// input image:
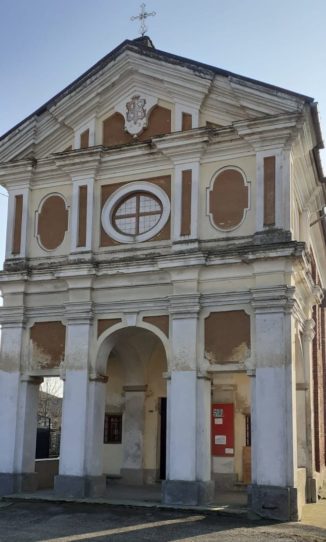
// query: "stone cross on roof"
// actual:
[[142, 17]]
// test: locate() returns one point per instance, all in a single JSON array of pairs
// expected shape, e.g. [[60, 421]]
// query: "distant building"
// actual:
[[161, 259]]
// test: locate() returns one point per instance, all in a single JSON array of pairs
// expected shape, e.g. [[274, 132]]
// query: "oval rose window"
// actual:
[[136, 214]]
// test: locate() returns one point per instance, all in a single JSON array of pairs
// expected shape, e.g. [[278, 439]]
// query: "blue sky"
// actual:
[[45, 44]]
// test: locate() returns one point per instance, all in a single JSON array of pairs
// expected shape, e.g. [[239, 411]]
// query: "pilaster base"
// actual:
[[16, 483], [79, 486], [188, 493], [274, 502]]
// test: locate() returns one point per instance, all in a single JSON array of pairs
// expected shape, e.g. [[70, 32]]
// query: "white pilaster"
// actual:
[[274, 389], [24, 192], [18, 414], [74, 408], [11, 349], [188, 435], [307, 338], [81, 461], [274, 438]]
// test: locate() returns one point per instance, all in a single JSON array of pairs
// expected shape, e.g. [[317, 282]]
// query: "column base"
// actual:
[[79, 486], [17, 483], [134, 477], [188, 493], [274, 502], [312, 490]]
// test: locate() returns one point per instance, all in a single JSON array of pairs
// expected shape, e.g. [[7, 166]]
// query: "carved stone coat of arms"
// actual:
[[135, 115]]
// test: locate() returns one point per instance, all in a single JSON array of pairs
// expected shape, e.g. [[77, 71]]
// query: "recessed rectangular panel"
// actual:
[[186, 202], [84, 139], [186, 121], [16, 244], [269, 191], [82, 216]]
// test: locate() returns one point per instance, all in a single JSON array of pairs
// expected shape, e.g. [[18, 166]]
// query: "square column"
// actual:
[[274, 493], [188, 435], [18, 416], [80, 466], [132, 470]]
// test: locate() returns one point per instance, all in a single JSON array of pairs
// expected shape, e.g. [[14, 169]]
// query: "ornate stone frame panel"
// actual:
[[210, 189]]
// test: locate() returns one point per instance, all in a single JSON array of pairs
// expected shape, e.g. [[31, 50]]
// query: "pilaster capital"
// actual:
[[184, 306], [78, 313], [279, 299], [12, 317]]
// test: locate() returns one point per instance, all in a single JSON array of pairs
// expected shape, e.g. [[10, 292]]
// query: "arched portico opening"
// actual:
[[134, 360]]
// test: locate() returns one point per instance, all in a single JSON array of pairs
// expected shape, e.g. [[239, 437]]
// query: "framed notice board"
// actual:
[[223, 429]]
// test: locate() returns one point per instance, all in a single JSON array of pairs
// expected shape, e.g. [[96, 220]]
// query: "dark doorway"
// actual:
[[163, 438], [43, 443]]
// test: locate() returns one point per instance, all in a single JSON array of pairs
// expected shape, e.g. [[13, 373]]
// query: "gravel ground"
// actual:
[[52, 522]]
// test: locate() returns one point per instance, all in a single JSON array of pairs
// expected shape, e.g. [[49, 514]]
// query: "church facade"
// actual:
[[166, 259]]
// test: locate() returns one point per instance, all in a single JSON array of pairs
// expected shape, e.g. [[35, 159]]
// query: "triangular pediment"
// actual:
[[135, 68]]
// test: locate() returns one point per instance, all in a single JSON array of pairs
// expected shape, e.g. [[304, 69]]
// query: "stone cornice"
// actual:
[[17, 174], [245, 250], [272, 132]]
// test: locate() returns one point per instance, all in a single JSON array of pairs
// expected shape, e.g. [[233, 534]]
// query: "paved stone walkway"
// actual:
[[315, 514], [75, 522]]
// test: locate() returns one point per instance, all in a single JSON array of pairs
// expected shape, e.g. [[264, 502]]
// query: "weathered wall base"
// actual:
[[133, 476], [189, 493], [225, 481], [14, 483], [79, 486], [273, 502]]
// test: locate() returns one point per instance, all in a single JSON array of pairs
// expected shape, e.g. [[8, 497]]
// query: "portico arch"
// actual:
[[109, 338], [133, 358]]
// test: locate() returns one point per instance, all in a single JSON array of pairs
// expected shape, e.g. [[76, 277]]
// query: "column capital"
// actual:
[[97, 377]]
